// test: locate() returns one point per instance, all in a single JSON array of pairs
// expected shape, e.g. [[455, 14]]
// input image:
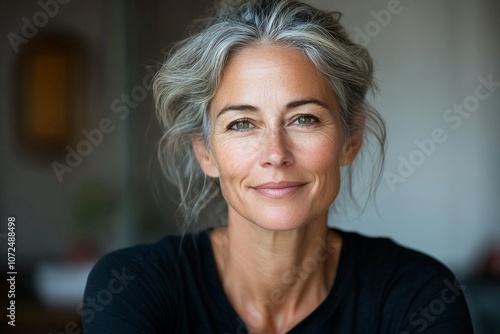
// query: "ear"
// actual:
[[350, 149], [204, 157]]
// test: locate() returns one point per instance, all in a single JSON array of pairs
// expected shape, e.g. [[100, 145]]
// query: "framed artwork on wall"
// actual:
[[48, 83]]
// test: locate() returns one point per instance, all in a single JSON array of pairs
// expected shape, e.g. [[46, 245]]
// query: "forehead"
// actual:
[[261, 71]]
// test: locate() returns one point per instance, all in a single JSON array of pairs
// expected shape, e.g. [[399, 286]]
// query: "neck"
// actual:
[[276, 278]]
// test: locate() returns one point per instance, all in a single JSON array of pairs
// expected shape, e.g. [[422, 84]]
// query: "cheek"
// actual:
[[233, 158], [321, 153], [323, 161]]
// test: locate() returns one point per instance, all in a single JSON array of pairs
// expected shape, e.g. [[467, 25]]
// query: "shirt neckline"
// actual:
[[318, 316]]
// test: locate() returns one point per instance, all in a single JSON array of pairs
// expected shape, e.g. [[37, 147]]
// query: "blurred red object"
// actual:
[[491, 268]]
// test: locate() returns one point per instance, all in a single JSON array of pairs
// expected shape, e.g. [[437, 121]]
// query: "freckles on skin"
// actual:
[[256, 137]]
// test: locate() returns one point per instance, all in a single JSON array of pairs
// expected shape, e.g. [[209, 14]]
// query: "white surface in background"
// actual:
[[61, 285]]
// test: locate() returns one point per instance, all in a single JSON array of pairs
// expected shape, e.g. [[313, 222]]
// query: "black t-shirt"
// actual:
[[173, 286]]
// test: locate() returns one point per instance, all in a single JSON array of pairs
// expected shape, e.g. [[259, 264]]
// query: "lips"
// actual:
[[278, 189]]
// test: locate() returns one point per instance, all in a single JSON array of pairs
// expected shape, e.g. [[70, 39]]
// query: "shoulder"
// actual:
[[161, 258], [137, 286], [381, 254], [136, 263], [140, 257], [415, 291], [393, 271]]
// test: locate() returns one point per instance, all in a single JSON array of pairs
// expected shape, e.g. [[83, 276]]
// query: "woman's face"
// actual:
[[276, 141]]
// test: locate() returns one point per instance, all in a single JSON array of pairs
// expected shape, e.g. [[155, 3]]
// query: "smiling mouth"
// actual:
[[278, 189]]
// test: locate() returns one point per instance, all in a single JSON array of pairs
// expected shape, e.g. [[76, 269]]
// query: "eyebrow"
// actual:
[[298, 103], [289, 105], [238, 107]]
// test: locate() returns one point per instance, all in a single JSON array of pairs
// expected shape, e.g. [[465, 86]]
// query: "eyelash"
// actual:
[[241, 120], [231, 126], [314, 119]]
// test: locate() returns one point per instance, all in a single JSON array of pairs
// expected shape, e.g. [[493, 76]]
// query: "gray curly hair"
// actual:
[[188, 80]]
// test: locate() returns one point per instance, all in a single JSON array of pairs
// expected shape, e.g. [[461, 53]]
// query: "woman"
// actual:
[[266, 105]]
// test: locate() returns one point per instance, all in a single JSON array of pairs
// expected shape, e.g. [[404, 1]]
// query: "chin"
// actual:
[[279, 221]]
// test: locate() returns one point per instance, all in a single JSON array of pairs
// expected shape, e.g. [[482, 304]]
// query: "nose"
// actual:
[[275, 149]]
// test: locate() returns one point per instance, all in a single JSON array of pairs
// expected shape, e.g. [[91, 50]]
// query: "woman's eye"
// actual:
[[305, 120], [241, 125]]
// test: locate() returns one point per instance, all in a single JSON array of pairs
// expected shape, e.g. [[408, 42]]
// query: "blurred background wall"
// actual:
[[430, 58], [440, 191]]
